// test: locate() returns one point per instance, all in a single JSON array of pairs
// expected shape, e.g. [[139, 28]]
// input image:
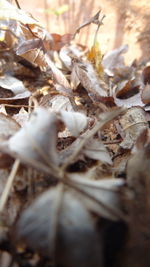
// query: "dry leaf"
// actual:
[[95, 149], [64, 227], [89, 80], [13, 84], [133, 123], [74, 78], [129, 89], [60, 40], [73, 155], [76, 122], [101, 196], [130, 102], [21, 117], [33, 51], [58, 75], [78, 146], [66, 58], [12, 89], [8, 127], [60, 102], [38, 142], [114, 59]]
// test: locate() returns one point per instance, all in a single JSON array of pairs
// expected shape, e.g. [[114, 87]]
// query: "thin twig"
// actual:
[[8, 185], [94, 20], [113, 142], [17, 4]]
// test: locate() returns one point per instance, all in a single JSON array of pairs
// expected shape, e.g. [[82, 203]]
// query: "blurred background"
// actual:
[[126, 22]]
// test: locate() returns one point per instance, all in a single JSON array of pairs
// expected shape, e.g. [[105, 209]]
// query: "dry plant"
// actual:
[[74, 149]]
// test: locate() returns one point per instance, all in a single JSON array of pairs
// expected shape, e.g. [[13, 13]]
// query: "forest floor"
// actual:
[[74, 134]]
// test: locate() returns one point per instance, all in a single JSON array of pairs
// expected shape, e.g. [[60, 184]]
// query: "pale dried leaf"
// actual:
[[133, 123], [23, 95], [95, 149], [21, 117], [58, 75], [8, 127], [74, 79], [64, 91], [77, 147], [13, 84], [106, 195], [3, 109], [65, 58], [61, 223], [114, 59], [76, 122], [129, 102], [29, 45], [37, 139], [35, 55], [89, 80], [78, 236], [38, 221], [60, 102]]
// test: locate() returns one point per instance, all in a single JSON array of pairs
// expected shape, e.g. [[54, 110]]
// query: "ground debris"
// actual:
[[74, 150]]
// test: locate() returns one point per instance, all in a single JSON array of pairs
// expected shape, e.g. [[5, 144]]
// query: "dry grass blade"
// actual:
[[9, 183]]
